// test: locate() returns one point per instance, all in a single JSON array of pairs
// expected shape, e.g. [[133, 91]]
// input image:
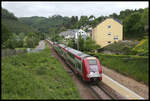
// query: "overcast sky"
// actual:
[[45, 9]]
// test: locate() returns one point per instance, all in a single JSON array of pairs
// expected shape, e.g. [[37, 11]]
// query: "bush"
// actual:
[[121, 47]]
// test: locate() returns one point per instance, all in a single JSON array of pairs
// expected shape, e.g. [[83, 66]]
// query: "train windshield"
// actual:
[[92, 62], [93, 65]]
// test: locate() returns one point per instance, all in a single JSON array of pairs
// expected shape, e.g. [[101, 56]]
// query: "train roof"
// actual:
[[62, 45], [75, 52]]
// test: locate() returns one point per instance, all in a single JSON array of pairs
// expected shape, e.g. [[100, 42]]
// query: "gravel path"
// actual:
[[38, 48], [41, 45], [130, 83]]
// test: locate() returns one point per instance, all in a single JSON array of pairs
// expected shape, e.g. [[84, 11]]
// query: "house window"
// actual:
[[109, 26], [109, 33], [116, 37], [109, 42]]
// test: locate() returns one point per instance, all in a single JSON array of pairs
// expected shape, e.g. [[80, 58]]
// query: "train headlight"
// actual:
[[88, 75]]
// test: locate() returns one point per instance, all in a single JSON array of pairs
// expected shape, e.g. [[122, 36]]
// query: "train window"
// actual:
[[92, 62], [93, 68], [79, 66], [71, 55], [93, 65]]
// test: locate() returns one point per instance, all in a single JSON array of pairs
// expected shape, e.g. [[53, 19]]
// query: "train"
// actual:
[[86, 66]]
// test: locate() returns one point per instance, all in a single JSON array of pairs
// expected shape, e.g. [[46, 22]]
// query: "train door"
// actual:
[[78, 65]]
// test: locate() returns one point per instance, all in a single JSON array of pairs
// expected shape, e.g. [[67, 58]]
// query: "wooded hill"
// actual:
[[13, 24], [135, 22], [17, 34], [43, 24]]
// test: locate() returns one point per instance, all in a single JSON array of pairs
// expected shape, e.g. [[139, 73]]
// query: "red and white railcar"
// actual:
[[88, 67]]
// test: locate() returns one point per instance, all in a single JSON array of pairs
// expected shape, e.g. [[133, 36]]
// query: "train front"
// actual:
[[92, 69]]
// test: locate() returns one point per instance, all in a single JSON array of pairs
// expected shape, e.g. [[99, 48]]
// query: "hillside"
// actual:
[[43, 24], [17, 26], [13, 24]]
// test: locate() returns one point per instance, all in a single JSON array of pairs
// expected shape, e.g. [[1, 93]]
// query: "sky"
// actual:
[[46, 9]]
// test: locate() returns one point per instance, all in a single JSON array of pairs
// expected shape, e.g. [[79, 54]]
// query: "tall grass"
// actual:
[[36, 76], [132, 66]]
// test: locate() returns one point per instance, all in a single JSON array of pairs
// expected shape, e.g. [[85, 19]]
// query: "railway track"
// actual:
[[100, 93], [98, 89], [109, 91], [106, 89]]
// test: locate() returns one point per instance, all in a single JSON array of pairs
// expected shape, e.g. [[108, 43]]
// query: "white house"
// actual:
[[82, 33], [73, 34]]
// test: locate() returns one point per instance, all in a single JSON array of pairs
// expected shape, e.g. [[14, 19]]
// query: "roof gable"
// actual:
[[117, 20]]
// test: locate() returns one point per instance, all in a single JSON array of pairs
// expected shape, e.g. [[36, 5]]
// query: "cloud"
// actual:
[[26, 9]]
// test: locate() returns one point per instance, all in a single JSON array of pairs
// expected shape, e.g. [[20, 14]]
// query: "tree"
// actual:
[[87, 45], [7, 14], [12, 42], [90, 45], [31, 40], [62, 29], [83, 21], [20, 37], [5, 33], [98, 20], [71, 43], [126, 13], [80, 44], [132, 26], [114, 15], [73, 22], [91, 20], [145, 18], [91, 17], [52, 32]]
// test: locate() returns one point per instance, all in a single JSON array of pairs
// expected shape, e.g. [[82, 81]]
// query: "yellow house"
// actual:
[[107, 32]]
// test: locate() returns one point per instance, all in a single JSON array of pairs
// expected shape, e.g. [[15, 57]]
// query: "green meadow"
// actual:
[[36, 76], [132, 66]]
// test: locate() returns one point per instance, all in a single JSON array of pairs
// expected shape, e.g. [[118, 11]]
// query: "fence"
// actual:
[[10, 52]]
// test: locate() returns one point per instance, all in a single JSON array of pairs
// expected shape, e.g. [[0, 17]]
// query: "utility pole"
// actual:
[[77, 44], [54, 37], [76, 40]]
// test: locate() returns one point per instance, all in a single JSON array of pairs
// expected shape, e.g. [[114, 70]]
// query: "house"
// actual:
[[73, 33], [89, 33], [107, 32], [82, 33], [67, 34]]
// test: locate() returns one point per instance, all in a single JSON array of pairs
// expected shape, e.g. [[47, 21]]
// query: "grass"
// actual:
[[36, 76], [132, 66]]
